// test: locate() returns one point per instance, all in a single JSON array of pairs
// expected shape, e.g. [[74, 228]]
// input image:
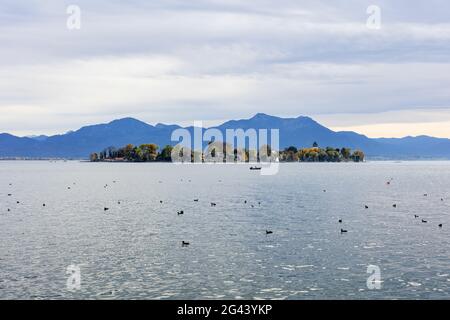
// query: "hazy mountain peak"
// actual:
[[305, 118], [261, 115], [128, 121]]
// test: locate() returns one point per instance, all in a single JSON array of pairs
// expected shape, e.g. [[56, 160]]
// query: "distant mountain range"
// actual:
[[298, 132]]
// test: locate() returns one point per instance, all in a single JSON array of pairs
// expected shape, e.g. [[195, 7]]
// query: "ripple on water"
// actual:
[[414, 284]]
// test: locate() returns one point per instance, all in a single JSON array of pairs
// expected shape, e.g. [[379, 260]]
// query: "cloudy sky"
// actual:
[[176, 61]]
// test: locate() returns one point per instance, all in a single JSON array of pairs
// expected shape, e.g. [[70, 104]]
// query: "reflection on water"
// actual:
[[133, 250]]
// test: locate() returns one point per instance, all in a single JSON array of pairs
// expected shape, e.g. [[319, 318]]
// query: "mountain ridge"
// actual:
[[301, 131]]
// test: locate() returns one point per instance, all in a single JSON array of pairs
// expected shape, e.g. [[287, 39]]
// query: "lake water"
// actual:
[[133, 250]]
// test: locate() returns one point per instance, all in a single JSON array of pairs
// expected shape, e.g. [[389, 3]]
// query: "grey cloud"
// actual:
[[178, 60]]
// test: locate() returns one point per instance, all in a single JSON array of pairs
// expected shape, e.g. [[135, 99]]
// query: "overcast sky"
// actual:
[[178, 61]]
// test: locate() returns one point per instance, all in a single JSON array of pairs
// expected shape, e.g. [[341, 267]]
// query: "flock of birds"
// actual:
[[394, 206], [181, 212], [213, 204]]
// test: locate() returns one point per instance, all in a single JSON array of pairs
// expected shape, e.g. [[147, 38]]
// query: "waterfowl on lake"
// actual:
[[424, 221], [366, 206], [416, 216], [255, 168], [17, 202], [184, 243], [440, 225], [340, 220], [394, 205], [105, 209], [213, 204], [269, 232], [343, 231], [160, 201], [180, 212], [118, 202], [9, 194], [425, 194], [195, 200], [43, 204], [9, 210], [245, 201]]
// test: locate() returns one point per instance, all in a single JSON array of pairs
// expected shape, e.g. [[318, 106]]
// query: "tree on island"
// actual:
[[329, 154], [346, 153], [93, 157], [166, 154], [358, 156], [149, 152]]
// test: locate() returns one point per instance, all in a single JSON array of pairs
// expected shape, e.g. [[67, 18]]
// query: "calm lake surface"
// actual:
[[133, 250]]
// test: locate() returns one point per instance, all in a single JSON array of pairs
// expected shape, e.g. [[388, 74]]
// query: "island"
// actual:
[[222, 152]]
